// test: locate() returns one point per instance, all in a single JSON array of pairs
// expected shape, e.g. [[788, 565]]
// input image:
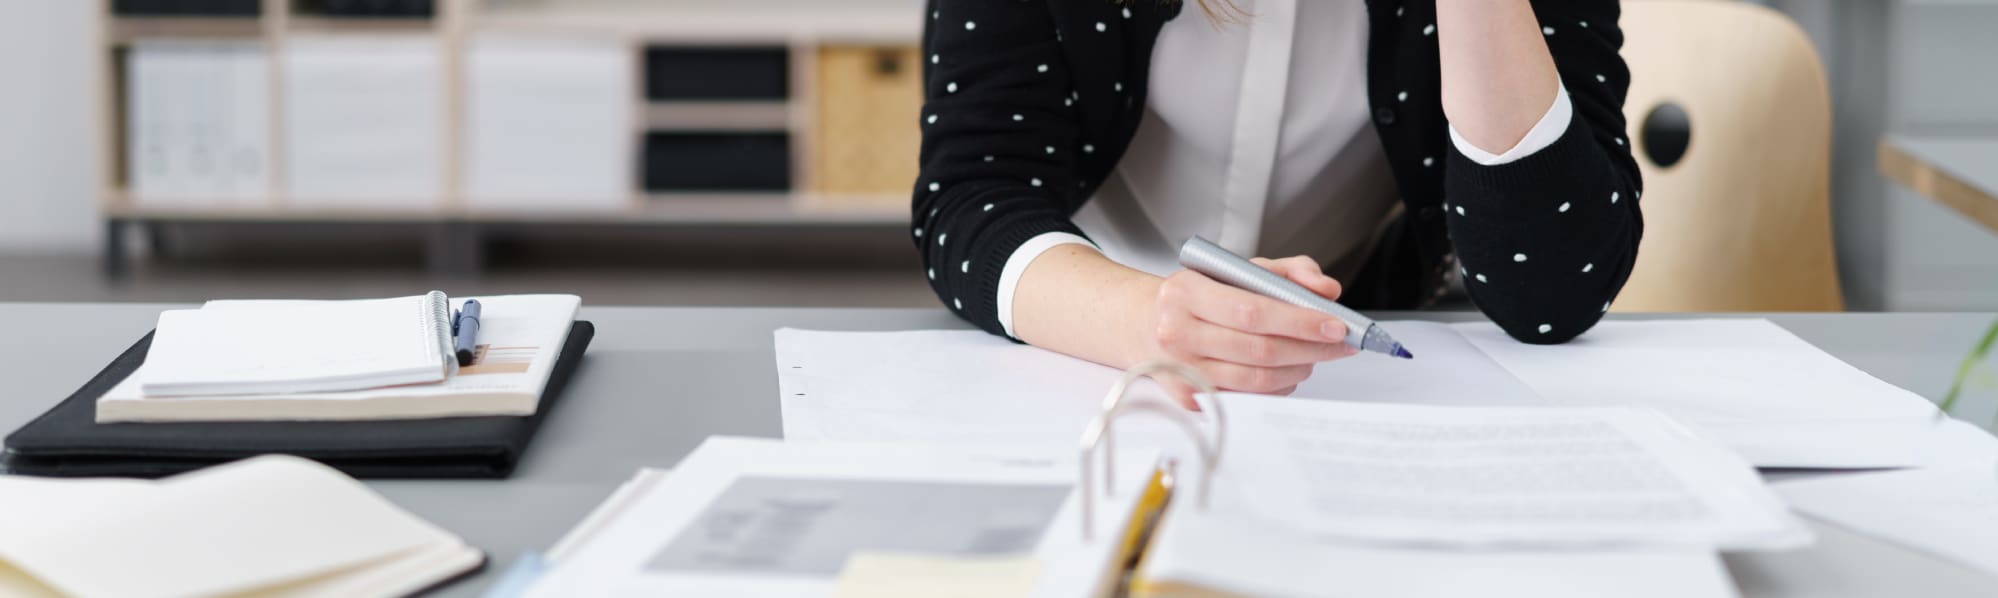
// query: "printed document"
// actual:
[[1491, 476]]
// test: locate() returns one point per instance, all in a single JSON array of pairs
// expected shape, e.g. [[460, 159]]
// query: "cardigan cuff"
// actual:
[[1520, 189], [1544, 133], [997, 244], [1016, 265]]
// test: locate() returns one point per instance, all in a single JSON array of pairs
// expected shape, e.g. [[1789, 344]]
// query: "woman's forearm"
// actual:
[[1498, 78], [1074, 300]]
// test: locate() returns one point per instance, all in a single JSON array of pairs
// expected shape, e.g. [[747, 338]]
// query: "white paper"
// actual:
[[1250, 558], [244, 526], [1484, 477], [523, 336], [969, 387], [639, 548], [1948, 511], [1446, 370], [305, 347], [1770, 396]]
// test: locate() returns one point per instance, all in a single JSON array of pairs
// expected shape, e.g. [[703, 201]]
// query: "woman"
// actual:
[[1069, 146]]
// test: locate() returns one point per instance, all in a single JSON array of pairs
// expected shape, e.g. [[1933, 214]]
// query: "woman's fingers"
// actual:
[[1180, 391], [1189, 337], [1304, 271], [1261, 380], [1243, 341], [1242, 310]]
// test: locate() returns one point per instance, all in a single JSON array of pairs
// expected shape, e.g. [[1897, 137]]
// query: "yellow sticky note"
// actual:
[[887, 575]]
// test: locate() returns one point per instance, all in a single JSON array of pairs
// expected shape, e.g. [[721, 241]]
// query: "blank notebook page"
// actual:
[[292, 347]]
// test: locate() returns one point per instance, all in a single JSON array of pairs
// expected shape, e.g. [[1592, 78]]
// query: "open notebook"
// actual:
[[368, 359], [270, 526]]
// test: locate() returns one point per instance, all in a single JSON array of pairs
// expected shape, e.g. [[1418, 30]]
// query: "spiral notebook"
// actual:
[[285, 347], [369, 359]]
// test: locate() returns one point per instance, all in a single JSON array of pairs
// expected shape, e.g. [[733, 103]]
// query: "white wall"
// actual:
[[48, 126]]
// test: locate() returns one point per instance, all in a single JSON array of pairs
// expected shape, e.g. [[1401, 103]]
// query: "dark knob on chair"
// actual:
[[1665, 134]]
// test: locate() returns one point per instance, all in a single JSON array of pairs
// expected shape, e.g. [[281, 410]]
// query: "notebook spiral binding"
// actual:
[[1120, 401]]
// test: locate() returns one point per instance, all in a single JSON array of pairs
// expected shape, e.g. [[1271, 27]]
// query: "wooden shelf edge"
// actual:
[[323, 24], [125, 30], [836, 26], [1937, 184], [771, 209]]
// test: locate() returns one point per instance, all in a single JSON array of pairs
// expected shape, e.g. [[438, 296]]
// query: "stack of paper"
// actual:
[[261, 348], [1769, 396], [1490, 477], [968, 387], [1748, 383], [269, 526], [1949, 511], [343, 360]]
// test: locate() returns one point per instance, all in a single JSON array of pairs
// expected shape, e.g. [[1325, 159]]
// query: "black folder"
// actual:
[[67, 440]]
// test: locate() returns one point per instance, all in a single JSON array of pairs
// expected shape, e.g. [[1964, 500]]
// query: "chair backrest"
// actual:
[[1741, 221]]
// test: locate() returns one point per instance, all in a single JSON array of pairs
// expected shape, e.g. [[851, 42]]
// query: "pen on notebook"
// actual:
[[1203, 256], [467, 328]]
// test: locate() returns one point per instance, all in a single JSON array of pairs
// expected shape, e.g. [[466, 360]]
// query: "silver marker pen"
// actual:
[[1203, 256]]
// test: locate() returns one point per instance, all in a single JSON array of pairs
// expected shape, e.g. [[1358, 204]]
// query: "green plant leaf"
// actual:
[[1969, 364]]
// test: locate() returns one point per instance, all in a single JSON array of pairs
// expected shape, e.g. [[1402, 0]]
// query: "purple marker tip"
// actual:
[[1402, 353]]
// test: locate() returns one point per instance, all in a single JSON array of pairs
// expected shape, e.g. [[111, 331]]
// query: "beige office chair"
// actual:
[[1741, 221]]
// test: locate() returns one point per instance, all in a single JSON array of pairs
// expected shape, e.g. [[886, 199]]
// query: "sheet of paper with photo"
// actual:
[[763, 517]]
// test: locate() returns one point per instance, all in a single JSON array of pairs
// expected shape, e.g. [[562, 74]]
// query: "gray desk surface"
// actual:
[[658, 380]]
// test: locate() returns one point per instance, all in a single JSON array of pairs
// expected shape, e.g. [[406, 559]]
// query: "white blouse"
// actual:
[[1259, 152]]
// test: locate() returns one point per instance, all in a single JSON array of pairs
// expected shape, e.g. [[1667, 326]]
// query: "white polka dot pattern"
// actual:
[[1002, 68]]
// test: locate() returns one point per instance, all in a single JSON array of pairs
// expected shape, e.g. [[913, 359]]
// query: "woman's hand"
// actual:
[[1075, 301], [1243, 341]]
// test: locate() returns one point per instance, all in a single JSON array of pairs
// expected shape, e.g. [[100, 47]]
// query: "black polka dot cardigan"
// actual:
[[1030, 103]]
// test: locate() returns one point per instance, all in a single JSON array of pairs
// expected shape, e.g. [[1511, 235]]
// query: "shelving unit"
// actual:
[[848, 113]]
